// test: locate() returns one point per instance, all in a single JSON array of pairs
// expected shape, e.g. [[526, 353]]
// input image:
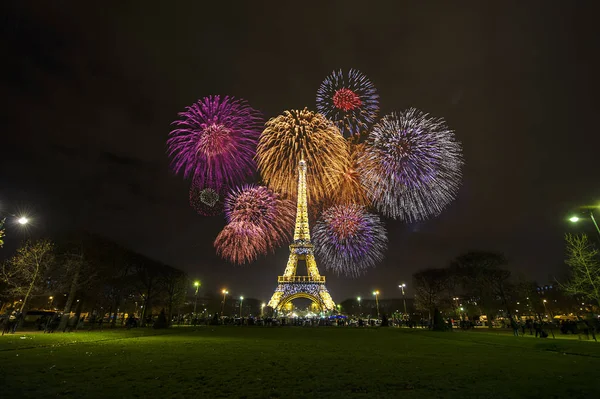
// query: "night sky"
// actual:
[[88, 95]]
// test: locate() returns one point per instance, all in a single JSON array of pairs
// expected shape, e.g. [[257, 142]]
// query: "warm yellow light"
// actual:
[[51, 298], [241, 298], [544, 301], [224, 291], [263, 305], [23, 220], [375, 292], [196, 283]]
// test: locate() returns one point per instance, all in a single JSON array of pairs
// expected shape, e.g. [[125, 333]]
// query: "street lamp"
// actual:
[[402, 286], [225, 292], [197, 285], [546, 309], [575, 219], [23, 220], [241, 302], [262, 309], [376, 293], [359, 308], [51, 299]]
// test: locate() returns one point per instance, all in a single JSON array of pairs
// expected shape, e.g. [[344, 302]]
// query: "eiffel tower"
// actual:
[[291, 286]]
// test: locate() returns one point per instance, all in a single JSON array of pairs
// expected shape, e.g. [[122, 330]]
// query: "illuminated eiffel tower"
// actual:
[[291, 286]]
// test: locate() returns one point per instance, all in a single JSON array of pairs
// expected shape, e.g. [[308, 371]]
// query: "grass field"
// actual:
[[247, 362]]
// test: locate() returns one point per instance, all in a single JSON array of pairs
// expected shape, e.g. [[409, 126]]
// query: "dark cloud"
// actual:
[[90, 89]]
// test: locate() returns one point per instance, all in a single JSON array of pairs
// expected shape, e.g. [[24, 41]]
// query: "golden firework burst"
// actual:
[[296, 135]]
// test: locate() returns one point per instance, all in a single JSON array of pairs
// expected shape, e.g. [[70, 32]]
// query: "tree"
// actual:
[[584, 265], [175, 284], [431, 287], [75, 256], [482, 277], [27, 272], [2, 232]]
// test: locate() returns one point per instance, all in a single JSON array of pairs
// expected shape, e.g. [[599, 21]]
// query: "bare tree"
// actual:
[[175, 284], [483, 278], [27, 272], [77, 271], [431, 287], [584, 264], [2, 232]]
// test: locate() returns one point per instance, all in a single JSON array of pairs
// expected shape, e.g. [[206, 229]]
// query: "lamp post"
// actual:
[[20, 220], [50, 300], [225, 292], [575, 219], [359, 308], [262, 310], [197, 285], [241, 302], [402, 286], [376, 293], [546, 309]]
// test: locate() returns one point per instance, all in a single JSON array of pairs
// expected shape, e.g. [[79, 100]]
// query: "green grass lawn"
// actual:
[[255, 362]]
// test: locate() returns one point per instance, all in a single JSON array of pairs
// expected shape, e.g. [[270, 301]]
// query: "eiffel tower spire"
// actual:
[[292, 286], [301, 231]]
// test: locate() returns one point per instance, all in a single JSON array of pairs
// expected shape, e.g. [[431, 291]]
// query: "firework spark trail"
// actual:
[[240, 242], [297, 135], [349, 240], [262, 207], [350, 101], [215, 141], [411, 165]]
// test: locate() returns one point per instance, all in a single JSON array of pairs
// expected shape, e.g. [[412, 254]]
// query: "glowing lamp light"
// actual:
[[574, 219], [196, 283], [23, 220]]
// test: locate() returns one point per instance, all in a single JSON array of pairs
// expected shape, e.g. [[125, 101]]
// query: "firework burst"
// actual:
[[262, 207], [207, 200], [350, 101], [351, 189], [411, 165], [215, 141], [349, 240], [241, 242], [297, 135]]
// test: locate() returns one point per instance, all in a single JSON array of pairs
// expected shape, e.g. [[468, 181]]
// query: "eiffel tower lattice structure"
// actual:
[[291, 286]]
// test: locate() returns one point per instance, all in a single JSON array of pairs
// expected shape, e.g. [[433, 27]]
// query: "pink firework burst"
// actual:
[[241, 242], [264, 208]]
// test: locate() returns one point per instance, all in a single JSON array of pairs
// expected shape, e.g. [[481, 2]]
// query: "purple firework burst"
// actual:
[[349, 240], [350, 101], [264, 208], [215, 141], [411, 166]]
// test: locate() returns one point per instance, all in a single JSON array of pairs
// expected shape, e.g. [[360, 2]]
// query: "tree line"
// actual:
[[479, 283], [83, 272]]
